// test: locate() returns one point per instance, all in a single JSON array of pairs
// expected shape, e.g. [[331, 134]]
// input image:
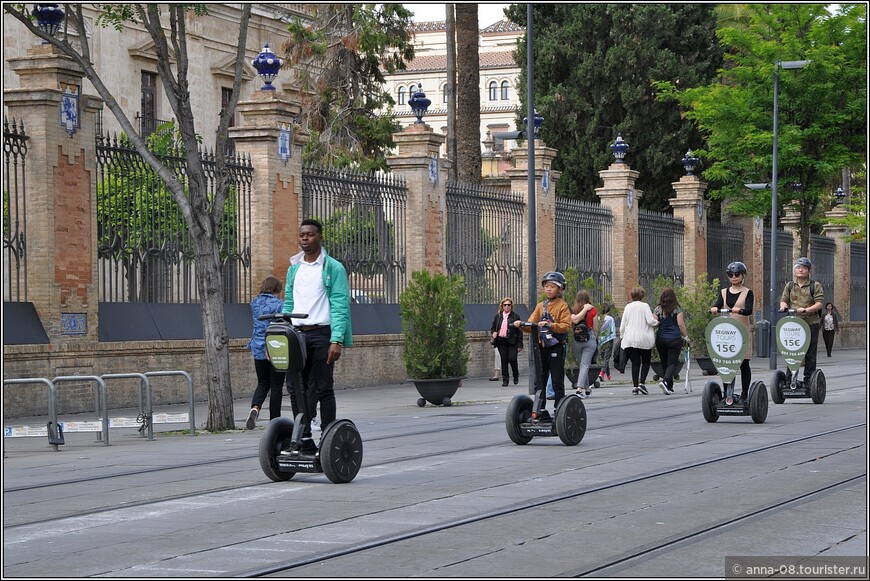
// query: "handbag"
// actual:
[[619, 359]]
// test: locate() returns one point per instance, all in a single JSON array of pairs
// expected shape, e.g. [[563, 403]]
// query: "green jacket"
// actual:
[[335, 281]]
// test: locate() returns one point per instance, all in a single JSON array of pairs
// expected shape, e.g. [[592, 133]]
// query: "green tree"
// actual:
[[822, 107], [201, 213], [594, 65], [339, 61]]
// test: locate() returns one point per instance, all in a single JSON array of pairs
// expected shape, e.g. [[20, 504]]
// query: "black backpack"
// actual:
[[581, 332]]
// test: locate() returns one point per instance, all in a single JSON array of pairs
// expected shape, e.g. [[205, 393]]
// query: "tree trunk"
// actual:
[[451, 89], [468, 158]]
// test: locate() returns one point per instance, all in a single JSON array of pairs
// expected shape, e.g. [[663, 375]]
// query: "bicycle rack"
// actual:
[[55, 439], [146, 412], [189, 388]]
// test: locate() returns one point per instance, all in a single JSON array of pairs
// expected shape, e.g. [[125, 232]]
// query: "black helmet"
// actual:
[[736, 267], [554, 277], [804, 261]]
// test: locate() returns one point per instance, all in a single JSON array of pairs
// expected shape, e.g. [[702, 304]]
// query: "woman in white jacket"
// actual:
[[638, 338]]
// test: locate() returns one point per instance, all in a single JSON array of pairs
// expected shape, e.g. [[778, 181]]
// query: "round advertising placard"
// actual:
[[792, 338], [727, 342]]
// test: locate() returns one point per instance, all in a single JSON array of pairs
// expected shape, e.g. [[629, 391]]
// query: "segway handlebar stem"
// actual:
[[282, 316]]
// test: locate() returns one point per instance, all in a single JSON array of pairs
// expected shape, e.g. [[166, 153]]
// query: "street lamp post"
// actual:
[[774, 303]]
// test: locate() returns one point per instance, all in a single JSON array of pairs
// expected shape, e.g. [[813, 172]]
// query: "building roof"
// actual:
[[503, 25], [438, 62]]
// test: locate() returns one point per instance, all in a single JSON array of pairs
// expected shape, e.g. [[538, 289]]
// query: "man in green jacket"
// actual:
[[317, 285]]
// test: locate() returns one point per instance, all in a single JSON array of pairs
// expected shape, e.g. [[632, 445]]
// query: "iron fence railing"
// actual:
[[724, 246], [822, 251], [363, 217], [583, 242], [858, 282], [784, 245], [14, 212], [484, 241], [660, 249]]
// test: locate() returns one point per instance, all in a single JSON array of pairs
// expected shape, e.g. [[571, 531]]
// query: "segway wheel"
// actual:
[[818, 386], [776, 386], [341, 452], [709, 401], [275, 439], [518, 412], [758, 402], [571, 420], [421, 402]]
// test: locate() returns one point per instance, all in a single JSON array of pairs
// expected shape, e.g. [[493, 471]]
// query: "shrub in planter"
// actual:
[[696, 301]]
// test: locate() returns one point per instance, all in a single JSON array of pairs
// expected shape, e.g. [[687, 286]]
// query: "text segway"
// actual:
[[287, 447], [525, 417], [727, 343], [793, 339]]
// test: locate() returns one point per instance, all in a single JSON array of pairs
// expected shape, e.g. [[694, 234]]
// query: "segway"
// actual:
[[524, 418], [284, 450], [793, 338], [727, 343]]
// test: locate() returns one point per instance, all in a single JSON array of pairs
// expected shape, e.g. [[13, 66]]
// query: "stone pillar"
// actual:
[[61, 242], [839, 232], [619, 195], [689, 204], [791, 223], [545, 203], [753, 258], [417, 149], [276, 191]]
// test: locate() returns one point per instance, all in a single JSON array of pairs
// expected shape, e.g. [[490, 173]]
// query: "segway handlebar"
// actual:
[[282, 316], [789, 311]]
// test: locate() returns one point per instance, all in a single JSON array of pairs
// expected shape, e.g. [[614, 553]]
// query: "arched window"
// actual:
[[504, 90], [493, 90], [444, 93], [401, 95]]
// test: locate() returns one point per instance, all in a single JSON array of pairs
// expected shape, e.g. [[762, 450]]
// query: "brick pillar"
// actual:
[[691, 207], [61, 217], [842, 260], [619, 195], [417, 146], [753, 258], [545, 203], [276, 191]]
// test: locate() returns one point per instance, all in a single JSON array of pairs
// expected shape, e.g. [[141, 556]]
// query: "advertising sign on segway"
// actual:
[[727, 343], [793, 340]]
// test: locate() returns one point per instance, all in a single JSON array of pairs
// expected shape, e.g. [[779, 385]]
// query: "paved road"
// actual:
[[652, 490]]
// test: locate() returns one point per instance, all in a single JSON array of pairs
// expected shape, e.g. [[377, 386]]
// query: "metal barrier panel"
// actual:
[[784, 244], [484, 241], [146, 411], [583, 242], [724, 246], [363, 217], [52, 401], [822, 250], [144, 249], [659, 248], [102, 403], [186, 375], [858, 281], [14, 212]]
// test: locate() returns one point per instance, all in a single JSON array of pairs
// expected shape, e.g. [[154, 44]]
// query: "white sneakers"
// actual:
[[252, 419]]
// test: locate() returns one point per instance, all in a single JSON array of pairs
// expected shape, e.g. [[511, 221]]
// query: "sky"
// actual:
[[486, 13]]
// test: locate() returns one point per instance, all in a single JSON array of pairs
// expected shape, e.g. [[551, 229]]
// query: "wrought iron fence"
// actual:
[[784, 245], [822, 251], [484, 241], [363, 217], [14, 212], [724, 246], [659, 248], [144, 247], [583, 242], [858, 282]]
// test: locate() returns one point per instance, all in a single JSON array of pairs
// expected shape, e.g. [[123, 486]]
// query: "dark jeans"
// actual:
[[640, 360], [552, 365], [810, 358], [268, 380], [828, 336], [317, 377], [669, 354], [508, 354], [604, 353]]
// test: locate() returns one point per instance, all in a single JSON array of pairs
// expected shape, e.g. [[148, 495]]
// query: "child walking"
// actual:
[[268, 380]]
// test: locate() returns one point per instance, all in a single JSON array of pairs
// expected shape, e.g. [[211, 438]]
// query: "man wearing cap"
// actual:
[[807, 298]]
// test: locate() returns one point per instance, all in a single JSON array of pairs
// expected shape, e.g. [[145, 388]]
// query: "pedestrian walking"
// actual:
[[317, 285], [830, 327], [805, 296], [606, 338], [584, 325], [553, 318], [738, 298], [637, 335], [508, 339], [268, 380], [670, 337]]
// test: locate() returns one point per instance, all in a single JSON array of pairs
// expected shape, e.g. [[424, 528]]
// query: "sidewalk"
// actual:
[[368, 401]]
